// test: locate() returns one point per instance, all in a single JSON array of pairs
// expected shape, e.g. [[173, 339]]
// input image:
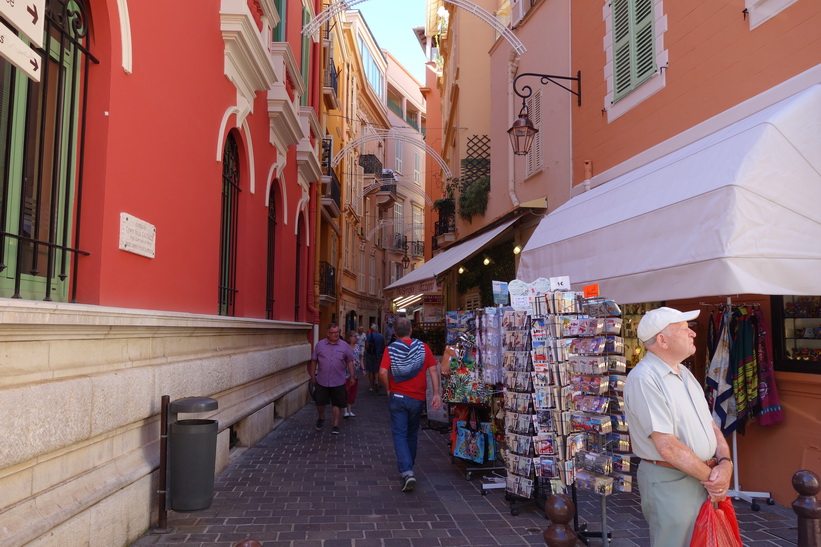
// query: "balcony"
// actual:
[[444, 229], [331, 189], [330, 91], [327, 284], [417, 249], [371, 164]]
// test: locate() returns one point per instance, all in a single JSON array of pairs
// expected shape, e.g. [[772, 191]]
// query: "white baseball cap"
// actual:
[[655, 321]]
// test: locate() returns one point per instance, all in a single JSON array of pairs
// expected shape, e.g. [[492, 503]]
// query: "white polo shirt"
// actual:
[[657, 399]]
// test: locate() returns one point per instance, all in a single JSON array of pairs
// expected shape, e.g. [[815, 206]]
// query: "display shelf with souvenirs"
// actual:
[[597, 434], [631, 315], [800, 340], [525, 393], [469, 398]]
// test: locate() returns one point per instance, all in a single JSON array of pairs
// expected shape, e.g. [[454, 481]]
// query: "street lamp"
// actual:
[[405, 259], [522, 132]]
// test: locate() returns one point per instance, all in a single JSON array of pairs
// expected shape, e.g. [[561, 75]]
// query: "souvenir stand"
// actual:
[[564, 422], [468, 396]]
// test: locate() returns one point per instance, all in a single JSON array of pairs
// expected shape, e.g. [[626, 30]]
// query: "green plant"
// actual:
[[473, 198]]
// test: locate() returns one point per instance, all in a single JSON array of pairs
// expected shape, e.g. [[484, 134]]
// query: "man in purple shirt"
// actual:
[[329, 361]]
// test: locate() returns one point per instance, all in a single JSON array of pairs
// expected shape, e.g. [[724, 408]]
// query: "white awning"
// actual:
[[736, 212], [423, 279]]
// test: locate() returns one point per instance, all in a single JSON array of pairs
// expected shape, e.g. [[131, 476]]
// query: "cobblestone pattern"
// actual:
[[308, 488]]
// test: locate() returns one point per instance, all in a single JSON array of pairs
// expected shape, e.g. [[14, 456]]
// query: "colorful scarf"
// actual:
[[771, 412], [406, 360], [745, 377]]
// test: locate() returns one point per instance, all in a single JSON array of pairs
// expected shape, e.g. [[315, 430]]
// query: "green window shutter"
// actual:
[[279, 30], [633, 47], [644, 49], [306, 59], [622, 80]]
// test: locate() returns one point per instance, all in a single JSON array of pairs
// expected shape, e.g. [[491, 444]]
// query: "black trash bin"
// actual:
[[192, 456]]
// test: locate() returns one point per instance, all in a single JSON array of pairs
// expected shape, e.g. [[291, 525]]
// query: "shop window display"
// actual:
[[797, 333]]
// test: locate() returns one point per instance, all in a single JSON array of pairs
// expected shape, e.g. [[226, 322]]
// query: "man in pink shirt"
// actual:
[[402, 372], [329, 360]]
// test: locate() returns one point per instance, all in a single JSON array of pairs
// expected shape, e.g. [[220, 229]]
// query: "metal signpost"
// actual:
[[27, 16]]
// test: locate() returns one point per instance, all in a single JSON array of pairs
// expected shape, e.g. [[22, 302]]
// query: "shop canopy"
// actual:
[[423, 279], [738, 211]]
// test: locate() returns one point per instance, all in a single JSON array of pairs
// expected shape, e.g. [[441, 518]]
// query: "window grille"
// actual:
[[272, 237], [229, 223], [42, 136]]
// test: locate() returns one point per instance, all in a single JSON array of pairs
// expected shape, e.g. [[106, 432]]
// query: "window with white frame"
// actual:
[[418, 225], [372, 276], [397, 164], [634, 53], [534, 157], [398, 221], [360, 275], [417, 168]]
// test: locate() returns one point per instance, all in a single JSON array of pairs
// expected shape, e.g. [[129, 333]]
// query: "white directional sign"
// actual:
[[18, 53], [27, 16]]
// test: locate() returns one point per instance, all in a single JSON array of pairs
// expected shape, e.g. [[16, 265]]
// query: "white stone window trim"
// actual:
[[761, 11], [652, 85]]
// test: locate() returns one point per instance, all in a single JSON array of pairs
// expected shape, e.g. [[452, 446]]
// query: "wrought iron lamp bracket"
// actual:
[[525, 91]]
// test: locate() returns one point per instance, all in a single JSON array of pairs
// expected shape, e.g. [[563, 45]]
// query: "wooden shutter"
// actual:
[[634, 59], [645, 59], [534, 157]]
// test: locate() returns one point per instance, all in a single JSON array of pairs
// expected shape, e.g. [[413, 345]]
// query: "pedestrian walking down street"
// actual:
[[352, 381], [684, 456], [331, 362], [402, 372], [374, 348]]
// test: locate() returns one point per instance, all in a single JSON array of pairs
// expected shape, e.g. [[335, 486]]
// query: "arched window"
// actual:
[[228, 231], [272, 244], [41, 142], [298, 268]]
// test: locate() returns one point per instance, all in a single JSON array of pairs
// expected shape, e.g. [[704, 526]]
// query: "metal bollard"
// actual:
[[559, 509], [807, 507]]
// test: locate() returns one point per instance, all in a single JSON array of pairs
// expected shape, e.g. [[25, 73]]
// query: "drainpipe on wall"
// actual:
[[513, 67]]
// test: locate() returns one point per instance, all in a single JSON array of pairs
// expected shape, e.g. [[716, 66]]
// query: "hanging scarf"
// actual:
[[406, 360], [745, 377], [771, 412], [712, 338], [719, 380]]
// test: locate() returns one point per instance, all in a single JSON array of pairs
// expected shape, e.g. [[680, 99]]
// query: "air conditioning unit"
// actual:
[[517, 10]]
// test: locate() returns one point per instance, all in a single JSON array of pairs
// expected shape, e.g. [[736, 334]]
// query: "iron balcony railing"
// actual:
[[371, 164], [434, 243], [332, 78], [446, 223], [417, 248], [334, 191], [395, 108], [327, 279]]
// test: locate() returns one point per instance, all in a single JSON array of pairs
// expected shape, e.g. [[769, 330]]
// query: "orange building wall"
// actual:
[[715, 62]]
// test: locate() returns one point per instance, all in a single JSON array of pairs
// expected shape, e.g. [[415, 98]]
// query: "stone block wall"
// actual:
[[80, 393]]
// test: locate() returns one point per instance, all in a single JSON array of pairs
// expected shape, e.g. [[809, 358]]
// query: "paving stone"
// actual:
[[302, 488]]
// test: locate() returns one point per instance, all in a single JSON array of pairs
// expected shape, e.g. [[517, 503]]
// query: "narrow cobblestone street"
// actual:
[[302, 487]]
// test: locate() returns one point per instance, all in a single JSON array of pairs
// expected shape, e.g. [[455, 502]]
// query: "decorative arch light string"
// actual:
[[313, 26]]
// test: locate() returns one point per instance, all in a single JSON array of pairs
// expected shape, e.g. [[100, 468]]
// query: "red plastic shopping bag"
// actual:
[[716, 526]]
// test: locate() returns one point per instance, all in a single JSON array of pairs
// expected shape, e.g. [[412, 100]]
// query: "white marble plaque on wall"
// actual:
[[137, 236]]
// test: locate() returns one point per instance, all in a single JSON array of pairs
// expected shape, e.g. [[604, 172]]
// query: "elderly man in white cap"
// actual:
[[684, 456]]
